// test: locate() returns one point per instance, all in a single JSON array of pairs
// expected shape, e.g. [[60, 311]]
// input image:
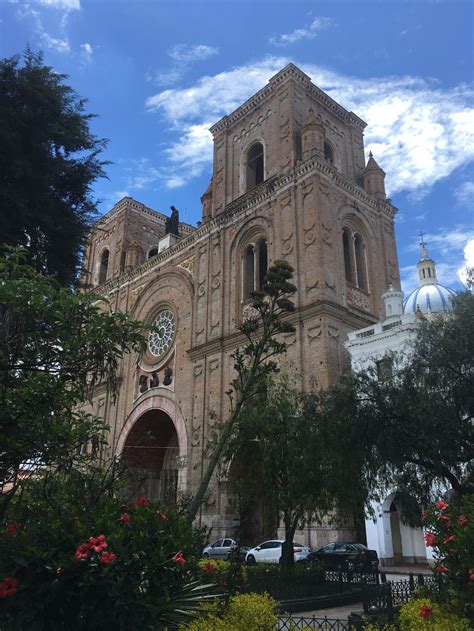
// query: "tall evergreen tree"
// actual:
[[49, 160]]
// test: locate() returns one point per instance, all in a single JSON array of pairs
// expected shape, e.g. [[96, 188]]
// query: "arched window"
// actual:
[[328, 152], [262, 262], [254, 171], [104, 266], [248, 271], [361, 268], [355, 259], [254, 267], [346, 239], [152, 252]]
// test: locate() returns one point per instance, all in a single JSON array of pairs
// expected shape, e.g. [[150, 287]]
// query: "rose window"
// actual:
[[160, 340]]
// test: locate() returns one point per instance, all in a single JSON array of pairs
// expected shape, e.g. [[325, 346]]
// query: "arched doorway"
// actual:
[[150, 454], [245, 516], [395, 540], [396, 534]]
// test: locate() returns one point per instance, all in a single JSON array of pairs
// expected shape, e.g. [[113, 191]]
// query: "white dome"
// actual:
[[430, 298]]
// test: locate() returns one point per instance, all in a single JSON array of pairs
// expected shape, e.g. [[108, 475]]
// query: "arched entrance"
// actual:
[[153, 446], [150, 455], [245, 516], [399, 543], [396, 534]]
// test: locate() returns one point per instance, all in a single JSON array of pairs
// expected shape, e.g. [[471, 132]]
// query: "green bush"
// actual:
[[246, 612], [423, 614]]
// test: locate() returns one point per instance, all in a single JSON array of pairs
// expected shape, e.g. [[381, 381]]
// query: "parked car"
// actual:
[[270, 552], [345, 556], [223, 549]]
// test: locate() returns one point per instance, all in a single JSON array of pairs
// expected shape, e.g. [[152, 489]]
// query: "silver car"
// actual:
[[222, 549]]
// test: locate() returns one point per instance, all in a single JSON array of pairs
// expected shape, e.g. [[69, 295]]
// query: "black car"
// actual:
[[345, 556]]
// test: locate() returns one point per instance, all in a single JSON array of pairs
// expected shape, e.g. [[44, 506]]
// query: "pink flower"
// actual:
[[430, 539], [463, 521], [98, 543], [12, 527], [178, 558], [449, 539], [441, 568], [8, 587], [426, 612], [83, 551], [125, 519], [142, 501], [107, 558], [162, 516], [471, 575], [441, 505]]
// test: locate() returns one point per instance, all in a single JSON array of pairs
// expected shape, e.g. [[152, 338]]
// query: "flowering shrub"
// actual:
[[425, 615], [449, 530], [77, 564], [256, 612]]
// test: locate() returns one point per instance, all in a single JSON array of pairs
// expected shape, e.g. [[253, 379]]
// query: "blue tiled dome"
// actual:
[[430, 298]]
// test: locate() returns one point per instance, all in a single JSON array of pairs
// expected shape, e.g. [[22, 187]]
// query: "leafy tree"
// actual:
[[287, 450], [49, 160], [414, 426], [255, 361], [55, 347]]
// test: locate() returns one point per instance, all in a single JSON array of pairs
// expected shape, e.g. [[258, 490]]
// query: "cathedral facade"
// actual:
[[290, 182]]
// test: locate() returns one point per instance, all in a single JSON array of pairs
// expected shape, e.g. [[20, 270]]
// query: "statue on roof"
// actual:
[[172, 222]]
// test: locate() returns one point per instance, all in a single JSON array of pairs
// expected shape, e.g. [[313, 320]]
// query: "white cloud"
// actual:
[[418, 132], [64, 5], [468, 261], [55, 43], [181, 52], [465, 194], [59, 44], [309, 32], [214, 96], [193, 149], [183, 56], [87, 51]]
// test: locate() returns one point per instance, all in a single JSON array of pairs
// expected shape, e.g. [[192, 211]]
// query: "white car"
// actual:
[[270, 552]]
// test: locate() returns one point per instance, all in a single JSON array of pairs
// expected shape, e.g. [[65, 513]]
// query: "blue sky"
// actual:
[[159, 73]]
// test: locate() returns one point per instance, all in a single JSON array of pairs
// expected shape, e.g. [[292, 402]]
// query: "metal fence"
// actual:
[[390, 595], [370, 577], [292, 623]]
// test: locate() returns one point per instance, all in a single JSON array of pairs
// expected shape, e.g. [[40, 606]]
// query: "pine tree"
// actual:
[[49, 160]]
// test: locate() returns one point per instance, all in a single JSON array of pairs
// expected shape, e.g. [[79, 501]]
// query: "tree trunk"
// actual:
[[287, 554]]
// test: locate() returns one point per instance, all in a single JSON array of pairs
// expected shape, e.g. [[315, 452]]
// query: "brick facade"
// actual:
[[315, 184]]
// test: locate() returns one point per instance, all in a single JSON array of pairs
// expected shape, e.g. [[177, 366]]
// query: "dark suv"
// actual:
[[345, 556]]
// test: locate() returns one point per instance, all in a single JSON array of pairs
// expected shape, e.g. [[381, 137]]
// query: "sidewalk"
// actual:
[[406, 569]]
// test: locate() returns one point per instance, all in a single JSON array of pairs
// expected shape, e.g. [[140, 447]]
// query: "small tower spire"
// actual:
[[426, 266], [373, 178]]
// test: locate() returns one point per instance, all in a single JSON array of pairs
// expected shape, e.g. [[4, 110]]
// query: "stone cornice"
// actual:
[[288, 72], [128, 203], [236, 339], [248, 202]]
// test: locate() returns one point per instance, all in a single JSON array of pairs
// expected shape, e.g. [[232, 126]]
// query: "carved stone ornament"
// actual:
[[358, 299], [188, 265], [181, 461], [135, 292], [249, 312]]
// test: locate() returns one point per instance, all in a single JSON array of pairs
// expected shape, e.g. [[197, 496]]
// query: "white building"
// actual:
[[397, 543]]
